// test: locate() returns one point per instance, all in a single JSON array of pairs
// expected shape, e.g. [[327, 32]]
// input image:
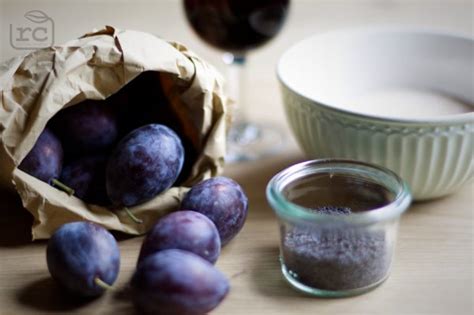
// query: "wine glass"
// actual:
[[237, 26]]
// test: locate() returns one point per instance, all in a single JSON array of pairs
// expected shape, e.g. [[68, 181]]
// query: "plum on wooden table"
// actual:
[[223, 201], [83, 257], [186, 230], [177, 282]]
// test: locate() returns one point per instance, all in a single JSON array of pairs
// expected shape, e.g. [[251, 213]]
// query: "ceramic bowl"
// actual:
[[402, 99]]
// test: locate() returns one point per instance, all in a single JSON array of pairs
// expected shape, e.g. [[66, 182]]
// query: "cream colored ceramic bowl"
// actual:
[[402, 99]]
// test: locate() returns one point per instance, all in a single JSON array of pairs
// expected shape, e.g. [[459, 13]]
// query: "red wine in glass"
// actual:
[[237, 26]]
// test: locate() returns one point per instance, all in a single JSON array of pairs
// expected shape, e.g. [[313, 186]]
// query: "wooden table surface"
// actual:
[[433, 267]]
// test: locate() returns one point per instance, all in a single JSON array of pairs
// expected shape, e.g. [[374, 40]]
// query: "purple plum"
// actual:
[[86, 176], [145, 163], [83, 257], [45, 160], [87, 128], [223, 201], [186, 230], [142, 102], [177, 282]]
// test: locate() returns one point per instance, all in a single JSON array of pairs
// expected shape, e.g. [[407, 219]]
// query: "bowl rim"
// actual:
[[461, 118]]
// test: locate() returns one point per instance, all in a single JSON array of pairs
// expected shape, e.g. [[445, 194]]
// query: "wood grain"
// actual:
[[432, 272]]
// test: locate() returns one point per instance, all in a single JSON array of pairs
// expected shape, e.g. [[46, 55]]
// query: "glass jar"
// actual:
[[338, 224]]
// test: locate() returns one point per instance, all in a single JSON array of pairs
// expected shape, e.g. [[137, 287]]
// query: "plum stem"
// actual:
[[102, 284], [63, 187], [132, 216]]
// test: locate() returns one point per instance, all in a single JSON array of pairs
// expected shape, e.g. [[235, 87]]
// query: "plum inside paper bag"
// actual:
[[134, 96]]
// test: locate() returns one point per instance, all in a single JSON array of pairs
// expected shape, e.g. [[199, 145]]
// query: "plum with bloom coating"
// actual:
[[45, 160], [86, 176], [145, 163], [90, 127], [83, 257], [223, 201], [177, 282], [186, 230]]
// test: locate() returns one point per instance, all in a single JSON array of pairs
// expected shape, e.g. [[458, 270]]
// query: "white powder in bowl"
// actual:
[[408, 103]]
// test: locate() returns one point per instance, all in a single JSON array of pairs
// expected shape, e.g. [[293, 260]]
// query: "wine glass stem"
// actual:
[[247, 138], [235, 81]]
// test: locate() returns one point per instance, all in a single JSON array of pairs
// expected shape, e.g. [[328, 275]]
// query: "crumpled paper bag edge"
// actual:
[[50, 206]]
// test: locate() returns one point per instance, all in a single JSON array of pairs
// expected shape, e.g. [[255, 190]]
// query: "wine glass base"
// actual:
[[252, 141]]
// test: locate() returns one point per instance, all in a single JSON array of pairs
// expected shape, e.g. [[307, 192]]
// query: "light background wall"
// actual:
[[165, 18]]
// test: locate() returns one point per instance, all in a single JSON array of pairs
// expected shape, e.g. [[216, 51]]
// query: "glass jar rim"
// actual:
[[292, 211]]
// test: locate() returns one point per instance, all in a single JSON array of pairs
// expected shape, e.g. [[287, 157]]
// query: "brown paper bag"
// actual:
[[35, 87]]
